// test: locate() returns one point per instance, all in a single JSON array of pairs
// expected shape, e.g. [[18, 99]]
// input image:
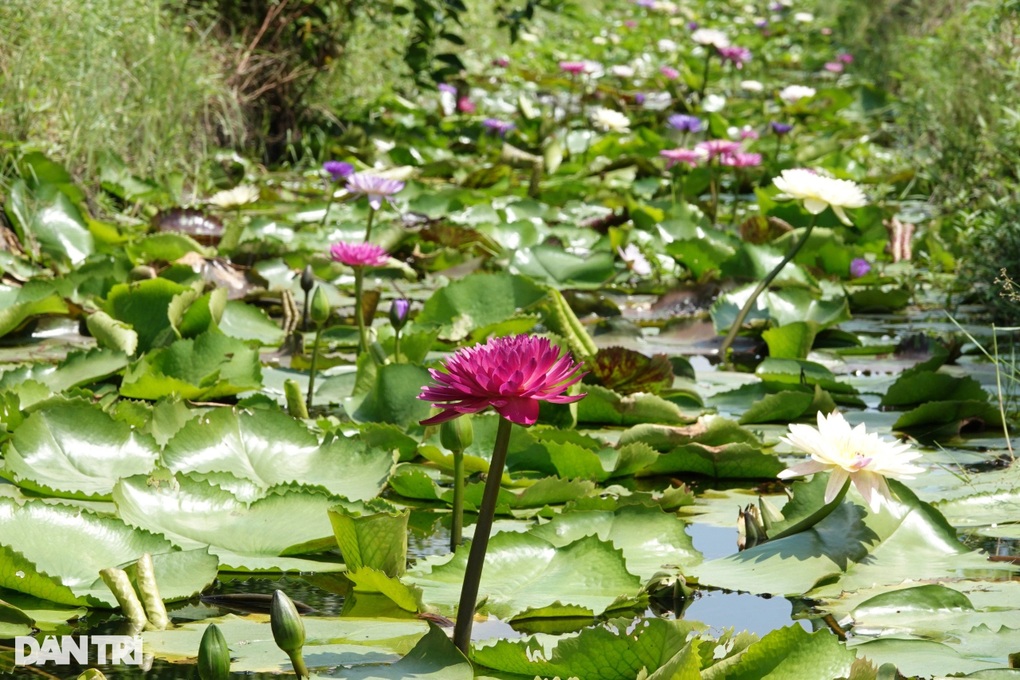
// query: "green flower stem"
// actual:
[[480, 542], [704, 74], [368, 225], [297, 660], [713, 191], [815, 517], [359, 311], [396, 346], [329, 203], [745, 310], [736, 188], [457, 527], [311, 372]]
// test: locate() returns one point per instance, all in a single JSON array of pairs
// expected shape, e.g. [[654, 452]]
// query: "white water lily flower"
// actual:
[[635, 260], [713, 103], [818, 192], [610, 120], [710, 36], [240, 195], [850, 454], [751, 85], [794, 93]]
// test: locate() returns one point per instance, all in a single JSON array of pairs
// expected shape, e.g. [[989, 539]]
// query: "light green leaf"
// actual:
[[247, 536], [598, 653], [650, 539], [792, 652], [374, 540], [269, 448], [20, 303], [247, 322], [524, 573], [212, 365], [330, 643], [110, 332], [76, 450], [55, 552]]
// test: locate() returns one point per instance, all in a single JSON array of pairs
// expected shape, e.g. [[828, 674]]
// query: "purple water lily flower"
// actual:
[[497, 126], [338, 170], [859, 267], [685, 123], [376, 188]]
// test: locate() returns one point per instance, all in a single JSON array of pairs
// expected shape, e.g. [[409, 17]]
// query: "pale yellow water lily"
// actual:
[[609, 120], [240, 195], [819, 192], [852, 454]]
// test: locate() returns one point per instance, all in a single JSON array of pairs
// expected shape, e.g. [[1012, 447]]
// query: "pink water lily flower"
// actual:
[[717, 147], [359, 254], [689, 156], [740, 159], [511, 374]]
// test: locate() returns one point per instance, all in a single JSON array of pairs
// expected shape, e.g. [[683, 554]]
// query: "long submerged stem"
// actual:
[[745, 310], [480, 542]]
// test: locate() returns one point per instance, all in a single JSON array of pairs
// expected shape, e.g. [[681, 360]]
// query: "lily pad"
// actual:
[[56, 552], [76, 450], [268, 448], [261, 535], [528, 577]]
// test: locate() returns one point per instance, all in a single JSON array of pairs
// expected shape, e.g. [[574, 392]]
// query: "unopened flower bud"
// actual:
[[307, 279], [398, 313], [213, 655], [320, 307], [457, 434], [288, 630]]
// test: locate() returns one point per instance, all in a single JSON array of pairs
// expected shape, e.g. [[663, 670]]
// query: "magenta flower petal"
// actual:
[[511, 374]]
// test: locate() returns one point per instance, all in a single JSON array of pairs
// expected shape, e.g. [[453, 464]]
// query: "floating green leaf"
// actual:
[[209, 366], [76, 450], [375, 540], [55, 552], [268, 448], [527, 577], [260, 535]]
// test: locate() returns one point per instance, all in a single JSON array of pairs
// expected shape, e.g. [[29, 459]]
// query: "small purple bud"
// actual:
[[398, 312], [780, 128]]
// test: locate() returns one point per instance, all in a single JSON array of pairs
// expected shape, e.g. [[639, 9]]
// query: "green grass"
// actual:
[[83, 78]]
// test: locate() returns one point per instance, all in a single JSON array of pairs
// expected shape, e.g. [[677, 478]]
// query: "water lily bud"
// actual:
[[288, 628], [307, 278], [213, 655], [750, 531], [398, 312], [457, 434], [320, 307]]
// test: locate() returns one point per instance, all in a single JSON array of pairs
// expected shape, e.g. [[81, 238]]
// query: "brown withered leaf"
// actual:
[[626, 372]]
